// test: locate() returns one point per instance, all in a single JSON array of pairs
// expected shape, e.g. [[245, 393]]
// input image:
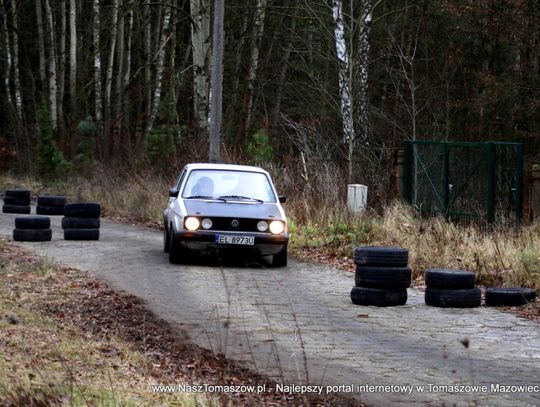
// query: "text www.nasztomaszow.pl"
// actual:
[[352, 388]]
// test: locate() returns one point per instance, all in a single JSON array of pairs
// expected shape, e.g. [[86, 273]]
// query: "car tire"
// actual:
[[33, 222], [177, 253], [509, 296], [32, 235], [82, 210], [51, 200], [380, 256], [18, 193], [80, 223], [20, 209], [462, 298], [166, 240], [448, 279], [391, 278], [49, 210], [81, 234], [378, 297], [280, 258], [9, 200]]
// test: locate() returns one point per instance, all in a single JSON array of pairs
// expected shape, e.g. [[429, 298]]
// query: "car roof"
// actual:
[[230, 167]]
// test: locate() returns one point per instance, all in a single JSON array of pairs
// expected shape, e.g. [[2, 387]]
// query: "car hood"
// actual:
[[232, 209]]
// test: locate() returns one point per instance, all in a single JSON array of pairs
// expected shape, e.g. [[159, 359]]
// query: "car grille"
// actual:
[[228, 224]]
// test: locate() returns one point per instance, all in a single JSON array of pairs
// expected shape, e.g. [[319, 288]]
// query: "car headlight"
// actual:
[[207, 223], [277, 227], [192, 223], [262, 226]]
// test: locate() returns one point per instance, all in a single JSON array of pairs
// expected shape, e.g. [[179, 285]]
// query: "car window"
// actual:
[[218, 183]]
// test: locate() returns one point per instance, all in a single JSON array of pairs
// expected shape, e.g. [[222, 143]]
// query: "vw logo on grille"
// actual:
[[235, 223]]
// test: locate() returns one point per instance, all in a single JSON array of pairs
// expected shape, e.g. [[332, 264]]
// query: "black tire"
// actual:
[[18, 193], [81, 234], [82, 210], [280, 258], [166, 240], [448, 279], [50, 210], [378, 297], [509, 296], [80, 223], [51, 200], [20, 209], [33, 222], [9, 200], [380, 256], [391, 278], [32, 235], [466, 298], [178, 254]]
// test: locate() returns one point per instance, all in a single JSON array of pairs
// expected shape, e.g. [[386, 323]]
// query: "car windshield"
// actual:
[[228, 185]]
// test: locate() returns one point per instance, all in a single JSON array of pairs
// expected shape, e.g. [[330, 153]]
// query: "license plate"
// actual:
[[242, 240]]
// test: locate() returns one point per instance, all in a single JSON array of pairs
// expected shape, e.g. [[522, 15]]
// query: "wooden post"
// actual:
[[535, 192]]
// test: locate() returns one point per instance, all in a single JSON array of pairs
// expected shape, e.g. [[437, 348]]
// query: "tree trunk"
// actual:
[[109, 76], [62, 64], [53, 87], [16, 73], [127, 78], [164, 38], [73, 59], [217, 83], [118, 112], [200, 37], [7, 45], [98, 102], [41, 45], [255, 47]]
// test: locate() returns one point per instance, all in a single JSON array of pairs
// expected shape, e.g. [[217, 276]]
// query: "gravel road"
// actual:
[[298, 325]]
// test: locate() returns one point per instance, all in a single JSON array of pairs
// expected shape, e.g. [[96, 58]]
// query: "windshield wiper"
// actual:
[[205, 197], [241, 197]]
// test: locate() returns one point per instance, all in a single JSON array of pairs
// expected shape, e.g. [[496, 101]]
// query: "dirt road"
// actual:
[[297, 325]]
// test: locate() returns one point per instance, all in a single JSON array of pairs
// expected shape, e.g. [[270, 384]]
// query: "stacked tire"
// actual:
[[449, 288], [509, 296], [32, 229], [17, 201], [50, 205], [81, 221], [382, 276]]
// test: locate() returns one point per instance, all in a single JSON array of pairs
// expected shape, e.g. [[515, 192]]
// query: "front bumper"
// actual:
[[265, 244]]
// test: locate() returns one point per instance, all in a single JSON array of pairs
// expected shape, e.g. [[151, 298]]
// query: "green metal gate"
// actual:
[[471, 181]]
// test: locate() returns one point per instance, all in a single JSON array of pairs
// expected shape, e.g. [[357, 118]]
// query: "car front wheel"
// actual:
[[177, 253], [280, 258], [166, 240]]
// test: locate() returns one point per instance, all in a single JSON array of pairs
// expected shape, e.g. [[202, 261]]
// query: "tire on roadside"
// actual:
[[378, 297], [51, 200], [449, 279], [9, 200], [448, 298], [391, 278], [33, 222], [20, 209], [82, 210], [381, 256], [32, 235], [18, 193], [80, 223], [81, 234], [509, 296], [49, 210]]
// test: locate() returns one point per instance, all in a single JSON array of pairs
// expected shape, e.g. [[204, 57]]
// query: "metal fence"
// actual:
[[465, 181]]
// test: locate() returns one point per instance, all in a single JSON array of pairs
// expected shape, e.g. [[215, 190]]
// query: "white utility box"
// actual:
[[357, 198]]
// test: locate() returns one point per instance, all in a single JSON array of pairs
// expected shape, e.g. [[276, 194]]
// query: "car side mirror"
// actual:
[[173, 193], [282, 199]]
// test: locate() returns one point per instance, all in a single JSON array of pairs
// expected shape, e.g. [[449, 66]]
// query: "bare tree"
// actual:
[[53, 88], [73, 57], [109, 74], [41, 44], [217, 79], [16, 74], [98, 102]]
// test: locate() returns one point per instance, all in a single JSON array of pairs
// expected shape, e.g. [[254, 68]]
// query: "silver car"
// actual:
[[225, 207]]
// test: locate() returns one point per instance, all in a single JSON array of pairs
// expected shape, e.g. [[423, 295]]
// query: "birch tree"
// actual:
[[110, 68], [73, 57], [258, 29], [16, 73], [98, 102], [217, 78], [200, 38], [164, 38], [41, 45], [61, 62], [7, 47], [53, 88]]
